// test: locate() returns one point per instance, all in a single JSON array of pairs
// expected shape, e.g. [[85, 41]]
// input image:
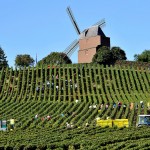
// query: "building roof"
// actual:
[[92, 31]]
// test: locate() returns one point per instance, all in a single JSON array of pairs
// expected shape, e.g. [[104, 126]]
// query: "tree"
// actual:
[[3, 61], [118, 54], [55, 58], [24, 60], [106, 56], [143, 57], [103, 56]]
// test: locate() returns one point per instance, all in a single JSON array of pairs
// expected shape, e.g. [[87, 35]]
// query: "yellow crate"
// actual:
[[104, 123], [121, 122]]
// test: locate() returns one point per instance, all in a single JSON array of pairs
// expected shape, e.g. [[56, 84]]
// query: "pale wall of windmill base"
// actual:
[[85, 56]]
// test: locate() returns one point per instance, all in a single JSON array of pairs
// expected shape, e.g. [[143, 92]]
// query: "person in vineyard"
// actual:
[[141, 103], [73, 114], [62, 115], [124, 107], [42, 118], [66, 82], [106, 106], [87, 124], [57, 88], [75, 85], [48, 84], [37, 89], [119, 105], [114, 105], [101, 106], [52, 85], [57, 77], [48, 117], [12, 123], [36, 117]]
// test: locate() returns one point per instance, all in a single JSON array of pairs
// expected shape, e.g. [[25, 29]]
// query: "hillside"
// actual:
[[66, 93]]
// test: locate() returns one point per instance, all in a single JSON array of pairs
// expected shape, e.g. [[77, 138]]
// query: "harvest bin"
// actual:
[[104, 123], [121, 122], [117, 122]]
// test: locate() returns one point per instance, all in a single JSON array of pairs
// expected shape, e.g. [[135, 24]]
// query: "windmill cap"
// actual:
[[92, 31]]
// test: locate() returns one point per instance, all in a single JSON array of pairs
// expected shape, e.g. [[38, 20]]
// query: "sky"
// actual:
[[43, 26]]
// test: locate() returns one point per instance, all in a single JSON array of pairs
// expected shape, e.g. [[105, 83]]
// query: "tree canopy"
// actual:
[[24, 60], [102, 56], [143, 57], [107, 56], [118, 54], [55, 58], [3, 61]]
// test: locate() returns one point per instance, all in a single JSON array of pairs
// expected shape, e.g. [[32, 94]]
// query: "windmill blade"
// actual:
[[69, 11], [100, 23], [71, 48]]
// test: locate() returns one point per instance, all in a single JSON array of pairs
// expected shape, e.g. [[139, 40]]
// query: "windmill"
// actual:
[[89, 40]]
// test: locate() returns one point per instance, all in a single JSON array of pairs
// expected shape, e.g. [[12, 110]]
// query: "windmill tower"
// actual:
[[89, 40]]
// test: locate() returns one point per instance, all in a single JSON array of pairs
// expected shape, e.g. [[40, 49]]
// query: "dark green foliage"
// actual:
[[55, 58], [86, 139], [106, 56], [118, 54], [103, 56], [3, 61], [24, 60], [143, 57]]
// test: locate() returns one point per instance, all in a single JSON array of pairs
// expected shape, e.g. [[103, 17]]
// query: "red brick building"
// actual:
[[89, 40]]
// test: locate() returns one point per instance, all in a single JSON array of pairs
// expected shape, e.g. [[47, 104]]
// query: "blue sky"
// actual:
[[43, 26]]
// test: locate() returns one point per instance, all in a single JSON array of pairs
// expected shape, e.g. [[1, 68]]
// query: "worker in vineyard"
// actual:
[[42, 118], [101, 106], [106, 106], [108, 118], [48, 84], [66, 82], [37, 89], [52, 85], [73, 114], [141, 103], [57, 88], [62, 115], [76, 100], [114, 105], [62, 88], [12, 123], [57, 77], [75, 85], [68, 125], [36, 117], [70, 81], [48, 117], [119, 105], [124, 107], [87, 124]]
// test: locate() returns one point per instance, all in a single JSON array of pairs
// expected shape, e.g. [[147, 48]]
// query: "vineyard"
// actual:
[[74, 94]]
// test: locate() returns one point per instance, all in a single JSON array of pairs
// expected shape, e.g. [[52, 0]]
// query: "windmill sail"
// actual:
[[69, 11], [100, 23], [71, 48]]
